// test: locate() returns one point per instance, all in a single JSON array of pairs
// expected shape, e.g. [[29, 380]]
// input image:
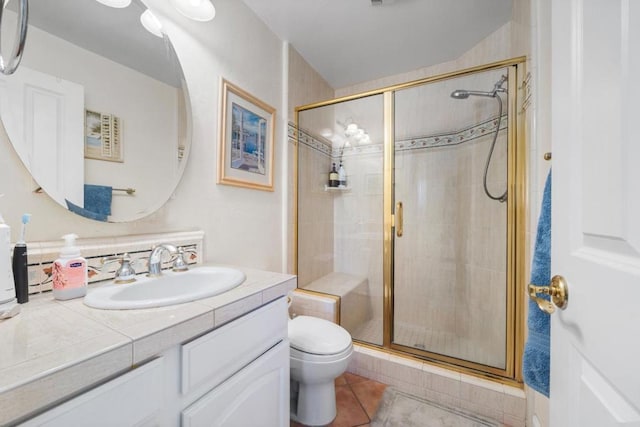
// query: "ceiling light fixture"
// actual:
[[151, 23], [115, 3], [198, 10]]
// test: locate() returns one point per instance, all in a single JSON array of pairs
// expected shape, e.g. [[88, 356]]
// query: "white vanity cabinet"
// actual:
[[258, 396], [235, 375], [132, 399], [244, 368]]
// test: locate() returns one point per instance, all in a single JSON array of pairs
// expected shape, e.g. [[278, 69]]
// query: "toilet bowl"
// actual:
[[320, 352]]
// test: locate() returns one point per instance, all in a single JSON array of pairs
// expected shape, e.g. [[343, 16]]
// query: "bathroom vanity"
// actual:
[[223, 360]]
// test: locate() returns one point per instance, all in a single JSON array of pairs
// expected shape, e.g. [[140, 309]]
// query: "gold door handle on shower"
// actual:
[[399, 230], [558, 291]]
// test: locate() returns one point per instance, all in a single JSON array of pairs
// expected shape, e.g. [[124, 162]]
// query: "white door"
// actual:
[[595, 341], [44, 119]]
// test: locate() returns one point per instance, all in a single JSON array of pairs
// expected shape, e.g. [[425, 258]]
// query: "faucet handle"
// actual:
[[125, 273], [179, 263]]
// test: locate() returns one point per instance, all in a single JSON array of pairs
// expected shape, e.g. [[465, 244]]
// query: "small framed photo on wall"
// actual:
[[103, 137]]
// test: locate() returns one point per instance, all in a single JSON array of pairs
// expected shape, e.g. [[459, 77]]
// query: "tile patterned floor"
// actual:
[[357, 400]]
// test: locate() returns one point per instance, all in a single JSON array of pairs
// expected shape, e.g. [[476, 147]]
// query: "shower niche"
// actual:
[[426, 249]]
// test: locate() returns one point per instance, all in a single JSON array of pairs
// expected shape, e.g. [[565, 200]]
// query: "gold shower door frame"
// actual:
[[516, 222]]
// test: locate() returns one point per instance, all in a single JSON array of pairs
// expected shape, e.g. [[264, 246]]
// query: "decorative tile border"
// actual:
[[429, 141], [317, 143], [41, 255], [453, 138]]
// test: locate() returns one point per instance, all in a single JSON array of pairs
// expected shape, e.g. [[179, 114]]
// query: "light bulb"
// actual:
[[115, 3], [151, 23], [198, 10], [326, 132]]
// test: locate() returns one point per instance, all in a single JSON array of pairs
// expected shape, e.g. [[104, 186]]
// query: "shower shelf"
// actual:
[[337, 189]]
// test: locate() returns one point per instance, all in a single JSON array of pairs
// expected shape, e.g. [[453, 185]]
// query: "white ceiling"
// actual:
[[351, 41]]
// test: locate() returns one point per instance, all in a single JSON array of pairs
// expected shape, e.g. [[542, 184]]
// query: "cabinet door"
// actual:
[[214, 357], [257, 396], [132, 399]]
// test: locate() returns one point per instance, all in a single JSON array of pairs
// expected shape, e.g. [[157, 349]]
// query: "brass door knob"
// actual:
[[558, 290]]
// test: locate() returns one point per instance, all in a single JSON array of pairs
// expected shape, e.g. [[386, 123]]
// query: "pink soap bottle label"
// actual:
[[69, 276]]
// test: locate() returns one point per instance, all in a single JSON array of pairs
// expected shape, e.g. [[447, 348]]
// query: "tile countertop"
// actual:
[[54, 349]]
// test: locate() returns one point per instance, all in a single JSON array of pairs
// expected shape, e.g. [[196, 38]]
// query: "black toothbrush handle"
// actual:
[[20, 273]]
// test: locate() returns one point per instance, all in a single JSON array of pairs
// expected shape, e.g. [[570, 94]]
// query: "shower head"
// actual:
[[460, 94], [464, 94]]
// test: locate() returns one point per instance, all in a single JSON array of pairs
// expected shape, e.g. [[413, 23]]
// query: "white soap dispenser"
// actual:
[[70, 276], [9, 307]]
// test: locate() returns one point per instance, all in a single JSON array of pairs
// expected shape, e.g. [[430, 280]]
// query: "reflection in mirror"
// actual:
[[97, 107]]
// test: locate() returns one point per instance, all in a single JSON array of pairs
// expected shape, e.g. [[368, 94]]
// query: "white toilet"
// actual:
[[320, 352]]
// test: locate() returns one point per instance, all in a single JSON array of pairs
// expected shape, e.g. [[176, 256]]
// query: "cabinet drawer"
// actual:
[[131, 399], [218, 355], [258, 395]]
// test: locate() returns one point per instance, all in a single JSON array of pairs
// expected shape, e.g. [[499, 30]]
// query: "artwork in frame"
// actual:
[[103, 137], [247, 129]]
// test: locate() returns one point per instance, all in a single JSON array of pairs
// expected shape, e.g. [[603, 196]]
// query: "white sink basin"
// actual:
[[171, 288]]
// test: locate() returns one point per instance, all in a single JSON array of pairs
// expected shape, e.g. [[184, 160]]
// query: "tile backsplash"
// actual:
[[41, 255]]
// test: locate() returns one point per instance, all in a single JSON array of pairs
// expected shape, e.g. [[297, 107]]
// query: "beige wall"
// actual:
[[306, 86], [242, 226]]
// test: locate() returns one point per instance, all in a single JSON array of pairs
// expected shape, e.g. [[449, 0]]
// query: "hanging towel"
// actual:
[[535, 363], [85, 213], [97, 198]]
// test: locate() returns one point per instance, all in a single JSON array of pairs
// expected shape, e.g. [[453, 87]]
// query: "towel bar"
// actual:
[[129, 191]]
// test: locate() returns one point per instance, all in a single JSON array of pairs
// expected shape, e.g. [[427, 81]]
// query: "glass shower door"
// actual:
[[450, 284], [340, 228]]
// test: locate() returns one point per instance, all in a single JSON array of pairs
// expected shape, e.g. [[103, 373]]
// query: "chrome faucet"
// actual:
[[155, 259], [125, 273], [180, 263]]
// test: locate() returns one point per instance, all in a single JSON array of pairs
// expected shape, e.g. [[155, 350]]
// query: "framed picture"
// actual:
[[103, 137], [247, 129]]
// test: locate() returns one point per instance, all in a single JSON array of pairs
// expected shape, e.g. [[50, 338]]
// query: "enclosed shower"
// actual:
[[423, 243]]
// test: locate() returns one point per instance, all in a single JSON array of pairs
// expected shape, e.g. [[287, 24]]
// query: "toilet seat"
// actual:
[[304, 357], [314, 336]]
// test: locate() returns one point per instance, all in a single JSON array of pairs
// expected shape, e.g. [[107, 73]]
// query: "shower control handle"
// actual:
[[558, 290], [398, 218]]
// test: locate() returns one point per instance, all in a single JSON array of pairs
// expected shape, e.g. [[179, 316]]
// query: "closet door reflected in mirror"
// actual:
[[97, 101]]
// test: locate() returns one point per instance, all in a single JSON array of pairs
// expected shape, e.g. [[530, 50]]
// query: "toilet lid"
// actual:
[[317, 336]]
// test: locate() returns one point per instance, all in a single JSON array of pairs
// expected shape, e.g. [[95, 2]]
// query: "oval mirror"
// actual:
[[98, 109]]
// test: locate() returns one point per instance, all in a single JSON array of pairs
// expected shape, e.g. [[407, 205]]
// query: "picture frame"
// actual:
[[103, 137], [246, 143]]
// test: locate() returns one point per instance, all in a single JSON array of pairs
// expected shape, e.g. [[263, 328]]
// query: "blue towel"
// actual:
[[85, 213], [535, 363], [97, 198]]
